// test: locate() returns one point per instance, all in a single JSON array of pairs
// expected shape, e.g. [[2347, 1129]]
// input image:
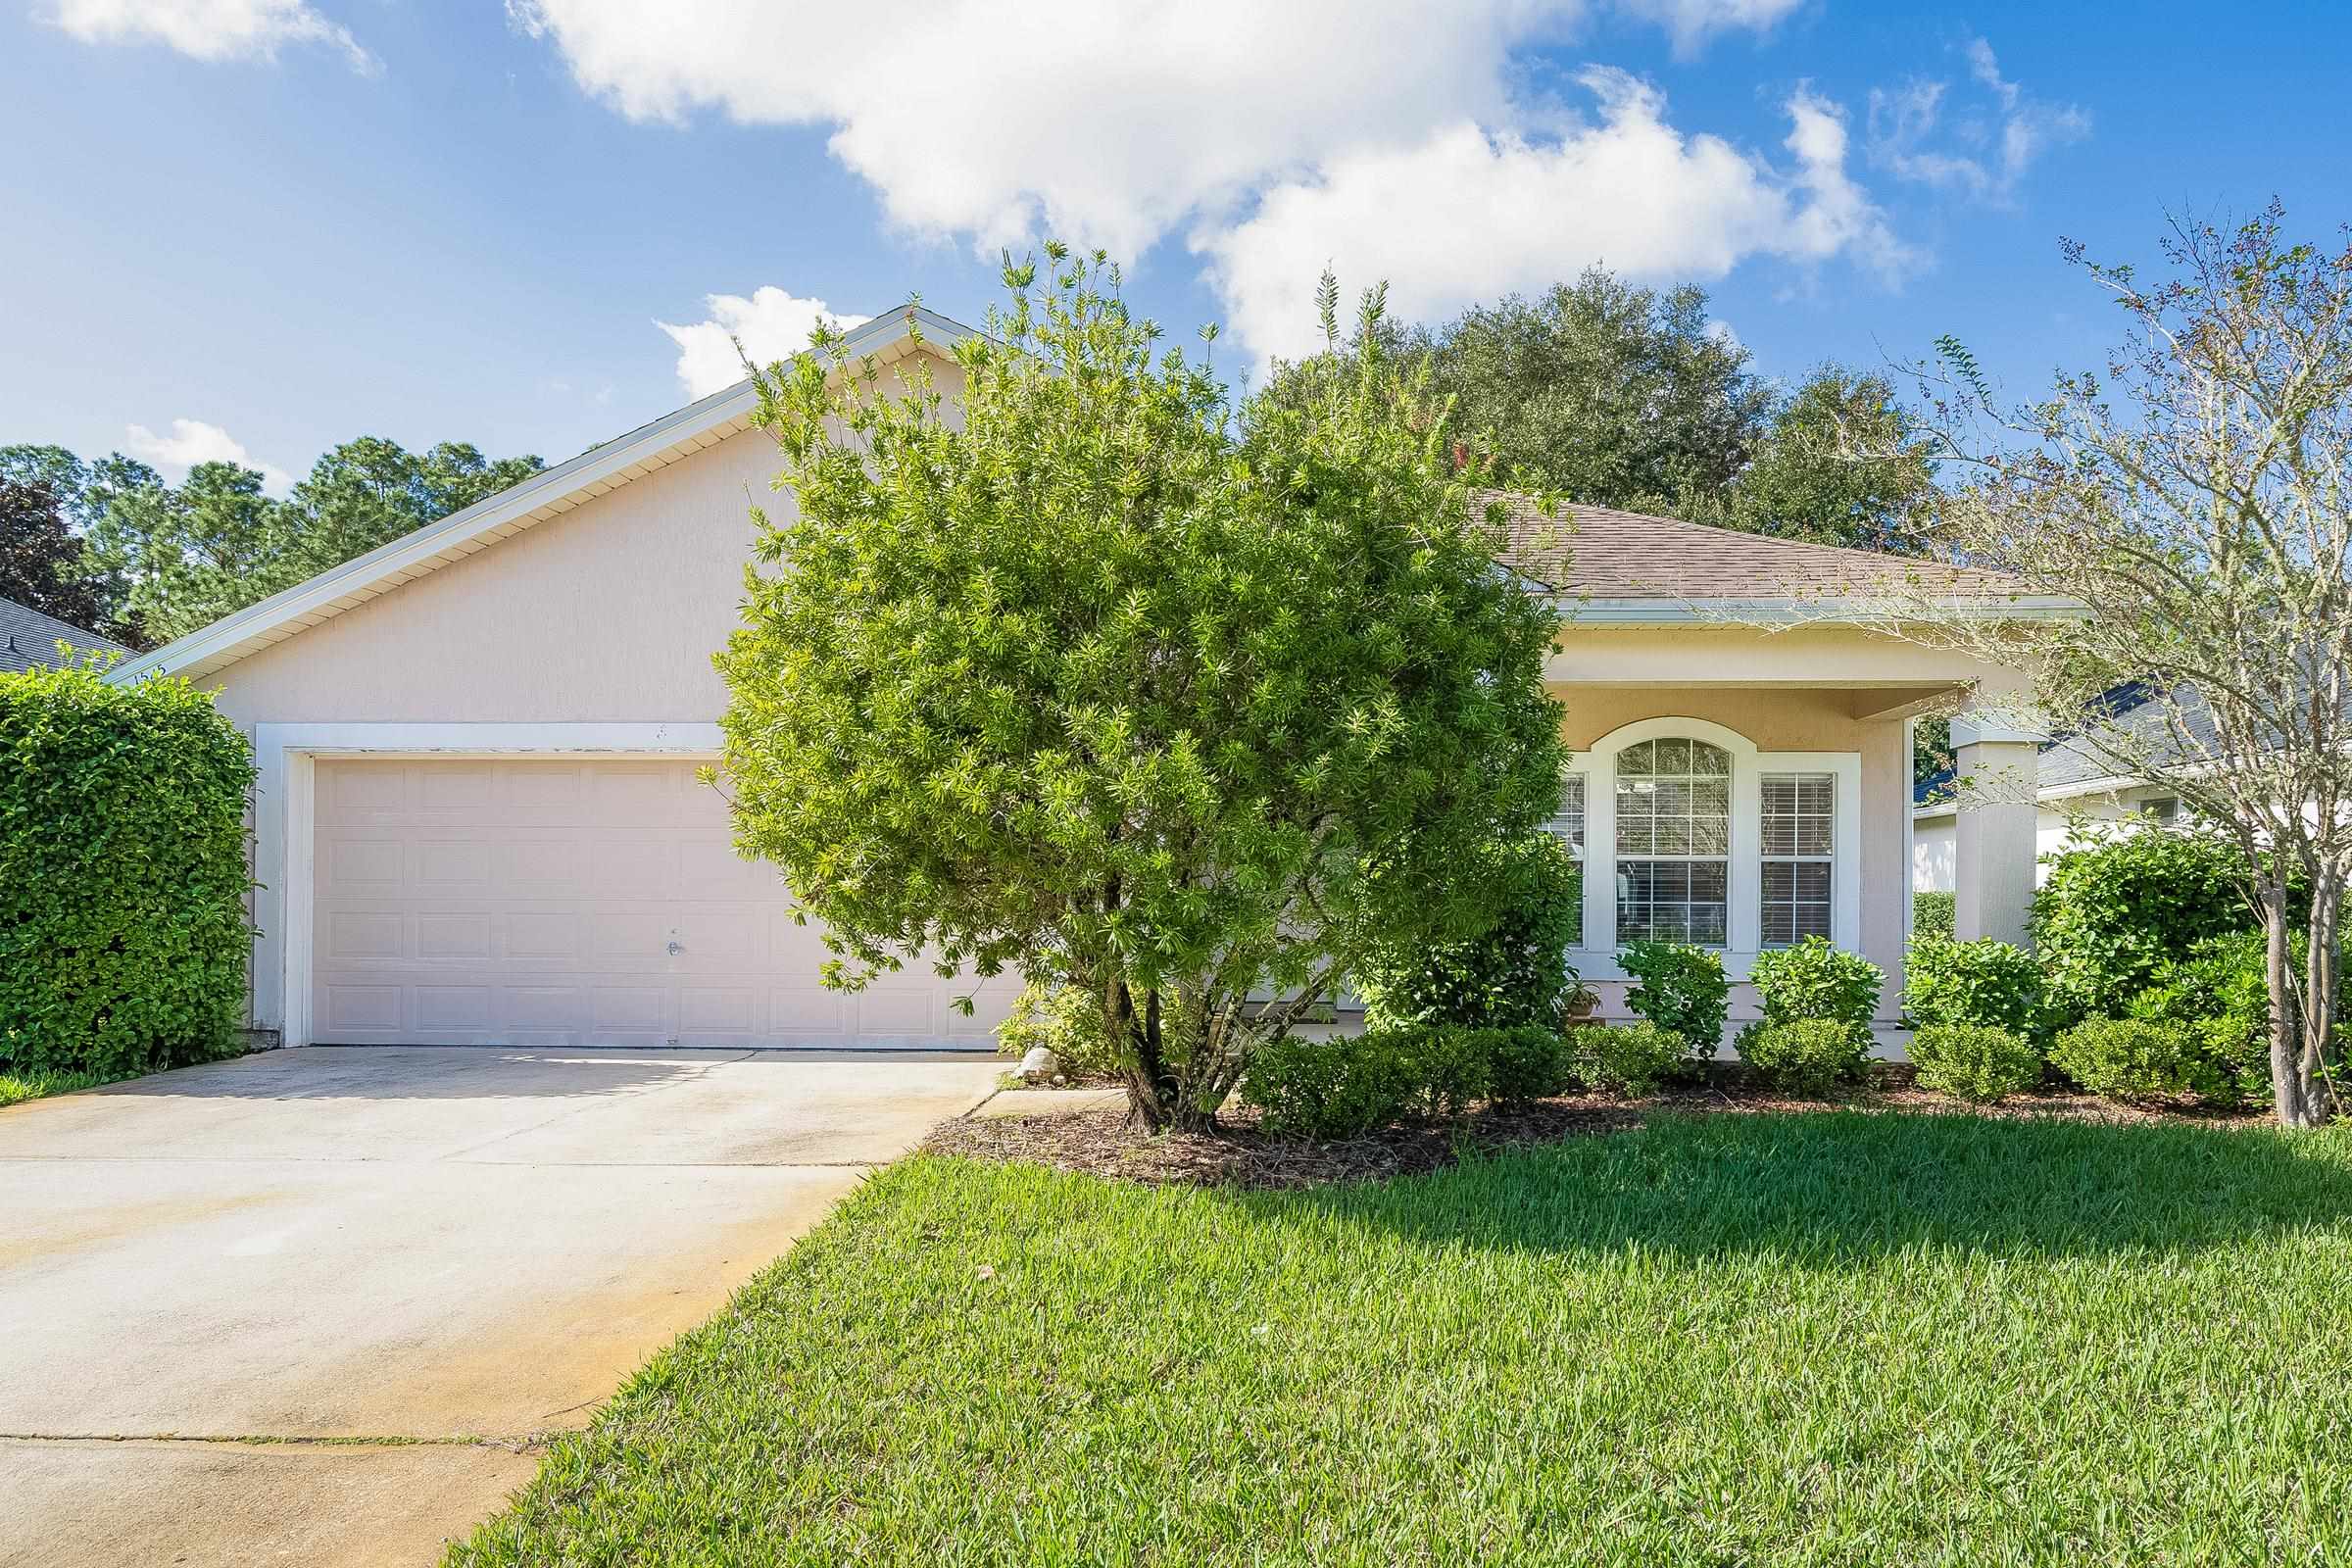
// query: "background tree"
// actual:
[[1841, 463], [169, 559], [43, 565], [1119, 684], [2196, 497]]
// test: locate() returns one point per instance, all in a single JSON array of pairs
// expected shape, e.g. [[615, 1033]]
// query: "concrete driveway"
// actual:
[[320, 1306]]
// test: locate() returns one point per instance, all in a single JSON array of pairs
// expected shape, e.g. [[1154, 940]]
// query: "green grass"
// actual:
[[1825, 1338], [17, 1087]]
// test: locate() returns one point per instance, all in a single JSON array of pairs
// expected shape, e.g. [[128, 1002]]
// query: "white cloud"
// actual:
[[211, 30], [1002, 121], [1496, 212], [1691, 22], [1997, 141], [192, 441], [772, 326]]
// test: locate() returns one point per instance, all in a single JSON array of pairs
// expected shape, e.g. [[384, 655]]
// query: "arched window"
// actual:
[[1673, 842]]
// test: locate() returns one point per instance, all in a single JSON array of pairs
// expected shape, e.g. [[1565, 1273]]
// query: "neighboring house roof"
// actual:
[[1644, 567], [547, 494], [28, 638], [2070, 765]]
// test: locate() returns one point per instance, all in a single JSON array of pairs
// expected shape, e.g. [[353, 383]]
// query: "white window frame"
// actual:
[[1595, 957], [1795, 859]]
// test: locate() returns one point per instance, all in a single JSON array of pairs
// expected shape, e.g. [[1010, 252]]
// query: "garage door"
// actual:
[[575, 902]]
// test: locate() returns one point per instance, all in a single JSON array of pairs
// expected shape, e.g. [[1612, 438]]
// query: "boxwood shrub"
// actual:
[[1628, 1060], [1348, 1086], [2137, 1060], [1975, 1061], [1810, 1056], [1933, 914], [124, 933]]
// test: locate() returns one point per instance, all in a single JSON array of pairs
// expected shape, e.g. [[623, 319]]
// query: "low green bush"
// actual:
[[1531, 1062], [1446, 1069], [1811, 1057], [1628, 1060], [2136, 1060], [1510, 975], [1933, 915], [1682, 989], [123, 934], [1066, 1021], [1973, 1061], [1337, 1088], [1987, 984], [1814, 980], [2114, 911]]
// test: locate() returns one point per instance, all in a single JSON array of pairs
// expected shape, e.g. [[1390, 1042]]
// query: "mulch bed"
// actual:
[[1112, 1143]]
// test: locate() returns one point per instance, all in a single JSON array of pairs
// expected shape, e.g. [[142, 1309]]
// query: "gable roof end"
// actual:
[[547, 494]]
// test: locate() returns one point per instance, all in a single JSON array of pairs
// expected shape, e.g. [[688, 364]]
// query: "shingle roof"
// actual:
[[2132, 711], [28, 638], [1603, 553]]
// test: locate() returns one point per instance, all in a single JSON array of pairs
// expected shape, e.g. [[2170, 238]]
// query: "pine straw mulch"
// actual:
[[1110, 1143]]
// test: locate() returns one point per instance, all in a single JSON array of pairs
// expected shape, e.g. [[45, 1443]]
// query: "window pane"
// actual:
[[1799, 838], [1711, 761]]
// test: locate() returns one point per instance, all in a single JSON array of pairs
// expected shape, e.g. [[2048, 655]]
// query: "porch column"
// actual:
[[1994, 841]]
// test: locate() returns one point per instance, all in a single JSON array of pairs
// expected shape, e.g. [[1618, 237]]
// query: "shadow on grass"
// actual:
[[1833, 1185]]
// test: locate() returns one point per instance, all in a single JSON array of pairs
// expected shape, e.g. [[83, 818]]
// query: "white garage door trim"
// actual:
[[284, 815]]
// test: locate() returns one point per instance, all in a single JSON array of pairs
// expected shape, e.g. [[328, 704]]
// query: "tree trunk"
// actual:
[[2286, 1042], [2321, 976]]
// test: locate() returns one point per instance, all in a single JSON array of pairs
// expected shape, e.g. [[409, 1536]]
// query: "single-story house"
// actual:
[[477, 820], [28, 638], [2078, 791]]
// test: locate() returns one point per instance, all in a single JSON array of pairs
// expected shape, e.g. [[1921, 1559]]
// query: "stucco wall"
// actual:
[[610, 612]]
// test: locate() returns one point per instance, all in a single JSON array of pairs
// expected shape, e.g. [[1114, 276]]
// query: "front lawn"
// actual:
[[1826, 1338]]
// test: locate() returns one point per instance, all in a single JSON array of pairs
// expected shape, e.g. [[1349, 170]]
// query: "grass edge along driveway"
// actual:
[[1825, 1338]]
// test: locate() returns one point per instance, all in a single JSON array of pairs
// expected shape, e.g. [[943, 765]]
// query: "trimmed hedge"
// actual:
[[1933, 914], [1811, 1057], [123, 934], [1975, 1061], [2136, 1060], [1630, 1059], [1348, 1086]]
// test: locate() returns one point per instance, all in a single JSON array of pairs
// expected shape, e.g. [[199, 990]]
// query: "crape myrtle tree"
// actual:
[[1083, 670], [2197, 498]]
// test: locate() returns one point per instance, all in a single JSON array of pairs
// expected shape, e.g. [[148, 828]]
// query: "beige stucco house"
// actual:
[[477, 820]]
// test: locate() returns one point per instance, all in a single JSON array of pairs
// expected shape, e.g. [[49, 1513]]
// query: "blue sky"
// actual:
[[286, 223]]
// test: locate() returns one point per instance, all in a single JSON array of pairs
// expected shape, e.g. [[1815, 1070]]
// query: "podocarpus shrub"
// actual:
[[1810, 1056], [1682, 989], [1933, 913], [2136, 1060], [1975, 1061], [1066, 1021], [1630, 1059], [1512, 974], [2114, 911], [1987, 983], [124, 933]]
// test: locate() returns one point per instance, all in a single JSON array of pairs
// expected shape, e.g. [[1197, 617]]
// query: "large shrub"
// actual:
[[1066, 1021], [1682, 989], [124, 933], [1810, 1056], [1975, 1061], [1815, 980], [1987, 984], [2141, 1059], [2220, 988], [1631, 1060], [1513, 973], [2115, 911]]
